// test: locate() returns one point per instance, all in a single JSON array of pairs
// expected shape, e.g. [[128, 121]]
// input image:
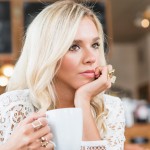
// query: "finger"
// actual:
[[46, 142], [98, 72], [104, 78], [49, 146], [48, 136], [36, 115], [42, 132], [31, 118], [111, 76], [110, 71], [35, 145], [39, 123], [38, 142], [104, 72], [48, 139], [29, 129], [31, 135]]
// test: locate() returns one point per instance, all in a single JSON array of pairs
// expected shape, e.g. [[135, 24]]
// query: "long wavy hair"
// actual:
[[47, 40]]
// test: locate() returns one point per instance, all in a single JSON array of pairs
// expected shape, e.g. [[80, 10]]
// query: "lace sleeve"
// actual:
[[114, 139], [14, 107], [116, 124]]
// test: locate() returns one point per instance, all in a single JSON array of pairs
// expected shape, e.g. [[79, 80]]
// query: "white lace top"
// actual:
[[15, 106]]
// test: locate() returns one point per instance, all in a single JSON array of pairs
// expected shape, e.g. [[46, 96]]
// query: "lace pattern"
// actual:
[[15, 106], [13, 109], [115, 123], [93, 148]]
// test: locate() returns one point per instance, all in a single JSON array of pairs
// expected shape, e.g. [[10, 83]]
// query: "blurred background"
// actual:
[[126, 24]]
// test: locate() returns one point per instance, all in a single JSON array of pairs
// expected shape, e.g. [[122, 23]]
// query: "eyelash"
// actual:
[[74, 46], [97, 44]]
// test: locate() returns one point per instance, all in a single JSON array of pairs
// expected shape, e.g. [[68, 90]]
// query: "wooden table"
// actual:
[[138, 130]]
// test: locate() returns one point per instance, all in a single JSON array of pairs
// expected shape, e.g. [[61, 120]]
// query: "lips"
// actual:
[[88, 73]]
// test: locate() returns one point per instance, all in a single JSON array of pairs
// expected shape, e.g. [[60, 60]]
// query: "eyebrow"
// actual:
[[80, 41]]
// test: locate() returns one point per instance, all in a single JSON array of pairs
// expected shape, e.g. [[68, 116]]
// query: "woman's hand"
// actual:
[[90, 90], [83, 97], [27, 136]]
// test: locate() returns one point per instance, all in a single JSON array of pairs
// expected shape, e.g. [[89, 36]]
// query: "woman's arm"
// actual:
[[84, 96], [115, 122]]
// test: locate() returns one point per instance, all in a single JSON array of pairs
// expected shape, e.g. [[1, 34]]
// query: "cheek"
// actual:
[[98, 60], [69, 63]]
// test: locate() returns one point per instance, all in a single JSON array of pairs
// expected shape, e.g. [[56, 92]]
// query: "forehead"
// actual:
[[87, 29]]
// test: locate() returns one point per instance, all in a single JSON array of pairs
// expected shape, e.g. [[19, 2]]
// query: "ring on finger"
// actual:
[[37, 125], [111, 76], [111, 73], [43, 139], [44, 144]]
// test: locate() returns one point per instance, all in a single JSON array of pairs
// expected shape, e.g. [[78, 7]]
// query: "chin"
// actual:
[[81, 84]]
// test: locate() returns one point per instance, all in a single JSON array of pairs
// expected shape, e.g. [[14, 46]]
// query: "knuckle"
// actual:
[[25, 130], [43, 121]]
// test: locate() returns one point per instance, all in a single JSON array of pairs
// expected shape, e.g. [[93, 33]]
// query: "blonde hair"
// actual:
[[48, 38]]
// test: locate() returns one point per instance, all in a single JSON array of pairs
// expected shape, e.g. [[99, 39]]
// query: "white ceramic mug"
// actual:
[[66, 125]]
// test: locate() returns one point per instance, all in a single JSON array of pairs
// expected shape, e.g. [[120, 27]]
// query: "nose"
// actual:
[[89, 57]]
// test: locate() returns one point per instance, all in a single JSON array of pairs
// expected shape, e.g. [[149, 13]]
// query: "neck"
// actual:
[[65, 97]]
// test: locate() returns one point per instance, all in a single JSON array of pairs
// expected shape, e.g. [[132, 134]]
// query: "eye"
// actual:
[[74, 47], [96, 45]]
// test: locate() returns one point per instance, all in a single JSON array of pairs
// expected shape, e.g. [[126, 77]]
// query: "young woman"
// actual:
[[62, 65]]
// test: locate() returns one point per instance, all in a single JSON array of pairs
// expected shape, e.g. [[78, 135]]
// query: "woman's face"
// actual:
[[78, 64]]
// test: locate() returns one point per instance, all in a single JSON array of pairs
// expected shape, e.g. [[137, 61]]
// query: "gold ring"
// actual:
[[111, 73], [43, 139], [37, 125], [111, 76], [44, 142]]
